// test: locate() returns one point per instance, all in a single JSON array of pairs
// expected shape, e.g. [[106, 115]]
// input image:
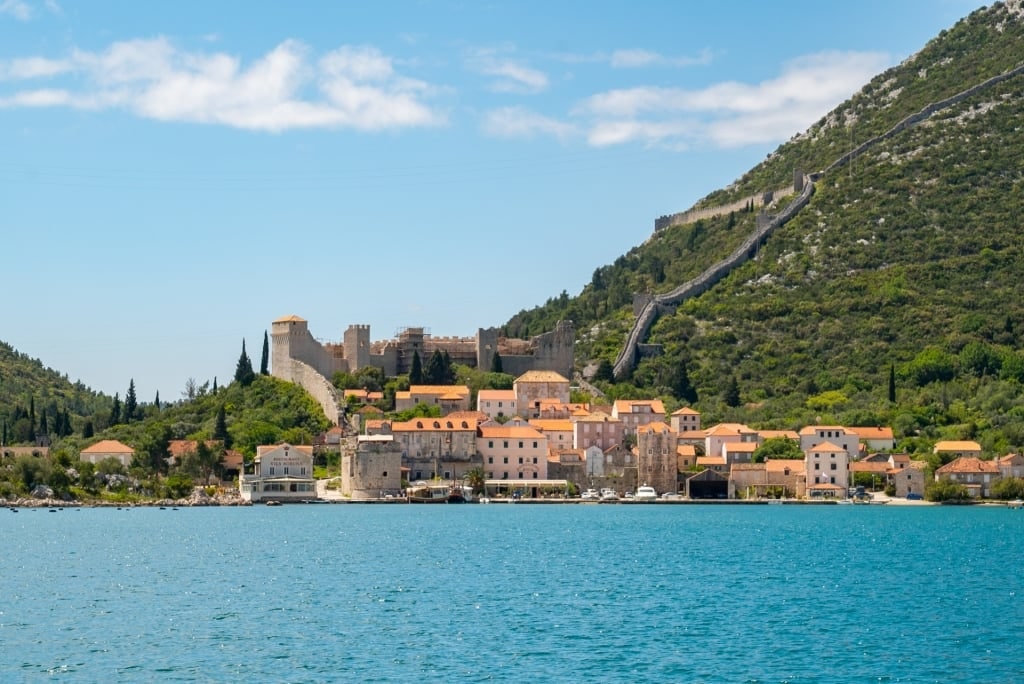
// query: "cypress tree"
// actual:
[[681, 386], [87, 430], [605, 371], [220, 428], [892, 383], [214, 384], [435, 374], [115, 410], [156, 401], [496, 363], [44, 429], [244, 374], [131, 404], [265, 360], [416, 373], [449, 371], [732, 393], [32, 414], [3, 440]]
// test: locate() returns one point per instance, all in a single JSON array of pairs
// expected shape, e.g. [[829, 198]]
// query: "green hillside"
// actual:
[[907, 259]]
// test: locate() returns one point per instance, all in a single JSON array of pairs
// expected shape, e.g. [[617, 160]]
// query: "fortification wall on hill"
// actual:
[[756, 201], [667, 302], [309, 379]]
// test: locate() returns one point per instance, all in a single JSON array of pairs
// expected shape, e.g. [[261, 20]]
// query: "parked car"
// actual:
[[914, 496]]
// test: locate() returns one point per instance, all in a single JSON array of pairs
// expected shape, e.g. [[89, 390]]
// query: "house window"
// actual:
[[384, 474], [490, 444], [535, 476], [504, 459], [490, 459], [520, 476], [505, 444], [271, 470], [504, 476], [303, 471], [535, 444], [499, 404], [286, 470], [520, 460], [833, 466], [534, 459], [520, 445]]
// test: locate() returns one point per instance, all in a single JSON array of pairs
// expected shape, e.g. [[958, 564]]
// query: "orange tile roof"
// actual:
[[686, 450], [108, 446], [826, 447], [710, 460], [494, 394], [515, 431], [685, 411], [772, 434], [660, 428], [444, 424], [951, 445], [777, 465], [869, 467], [541, 376], [968, 464], [741, 447], [627, 405], [872, 432], [726, 429], [597, 418], [552, 425], [431, 390], [812, 429]]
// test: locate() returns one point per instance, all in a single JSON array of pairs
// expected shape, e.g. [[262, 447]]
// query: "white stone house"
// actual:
[[282, 472]]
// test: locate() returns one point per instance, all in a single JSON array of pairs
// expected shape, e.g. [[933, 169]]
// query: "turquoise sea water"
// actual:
[[370, 593]]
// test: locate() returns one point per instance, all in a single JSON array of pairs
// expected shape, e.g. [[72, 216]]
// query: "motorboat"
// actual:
[[591, 495], [645, 493], [608, 494]]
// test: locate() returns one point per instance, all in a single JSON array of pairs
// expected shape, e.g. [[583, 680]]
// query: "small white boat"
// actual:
[[484, 500], [1015, 504], [645, 493], [609, 495], [591, 495]]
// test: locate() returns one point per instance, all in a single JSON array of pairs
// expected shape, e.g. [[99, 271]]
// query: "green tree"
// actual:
[[731, 394], [156, 400], [681, 386], [777, 448], [220, 428], [265, 358], [115, 411], [87, 430], [892, 383], [945, 490], [416, 372], [131, 405], [496, 363], [1008, 488], [476, 478], [44, 428], [244, 374], [605, 371], [435, 371]]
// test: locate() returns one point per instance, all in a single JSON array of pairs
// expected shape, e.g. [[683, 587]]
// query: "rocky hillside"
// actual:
[[906, 261]]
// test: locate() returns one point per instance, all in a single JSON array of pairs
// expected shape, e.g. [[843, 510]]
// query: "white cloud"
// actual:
[[625, 59], [19, 9], [354, 87], [519, 122], [511, 76], [731, 113]]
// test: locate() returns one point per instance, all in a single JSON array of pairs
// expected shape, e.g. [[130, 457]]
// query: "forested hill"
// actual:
[[31, 393], [907, 261]]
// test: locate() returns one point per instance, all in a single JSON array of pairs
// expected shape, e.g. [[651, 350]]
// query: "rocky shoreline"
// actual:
[[198, 498]]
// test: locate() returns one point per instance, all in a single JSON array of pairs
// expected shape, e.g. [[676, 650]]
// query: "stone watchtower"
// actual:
[[357, 347], [286, 333]]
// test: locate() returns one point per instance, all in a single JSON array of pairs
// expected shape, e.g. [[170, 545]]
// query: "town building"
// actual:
[[533, 387], [108, 448], [953, 449], [496, 403], [656, 457], [976, 475], [685, 420], [635, 413], [374, 469], [512, 451], [448, 398], [281, 472], [827, 469], [816, 435], [597, 429]]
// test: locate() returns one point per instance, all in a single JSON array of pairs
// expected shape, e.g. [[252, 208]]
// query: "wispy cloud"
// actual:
[[19, 9], [510, 75], [722, 115], [351, 87], [519, 122], [627, 59], [729, 114]]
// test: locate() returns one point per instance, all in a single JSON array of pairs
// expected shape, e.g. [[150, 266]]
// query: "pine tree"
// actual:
[[244, 374], [496, 363], [131, 405], [416, 373], [265, 360], [115, 410], [892, 383]]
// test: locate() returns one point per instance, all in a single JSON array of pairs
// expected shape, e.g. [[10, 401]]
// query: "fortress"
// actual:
[[298, 357]]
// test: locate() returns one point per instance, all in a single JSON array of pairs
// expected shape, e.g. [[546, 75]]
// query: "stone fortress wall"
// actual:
[[298, 357], [648, 308]]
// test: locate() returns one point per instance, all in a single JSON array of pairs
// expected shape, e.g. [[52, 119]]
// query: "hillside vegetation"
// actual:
[[907, 260]]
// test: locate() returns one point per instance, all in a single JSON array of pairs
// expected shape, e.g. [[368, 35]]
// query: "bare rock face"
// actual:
[[41, 491]]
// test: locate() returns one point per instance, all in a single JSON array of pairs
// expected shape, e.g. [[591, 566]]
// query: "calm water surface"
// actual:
[[367, 593]]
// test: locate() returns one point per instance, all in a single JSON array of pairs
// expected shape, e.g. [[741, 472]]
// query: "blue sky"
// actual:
[[174, 176]]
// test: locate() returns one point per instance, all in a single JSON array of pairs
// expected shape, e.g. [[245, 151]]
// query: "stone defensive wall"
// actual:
[[661, 303], [319, 387], [667, 302], [693, 215]]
